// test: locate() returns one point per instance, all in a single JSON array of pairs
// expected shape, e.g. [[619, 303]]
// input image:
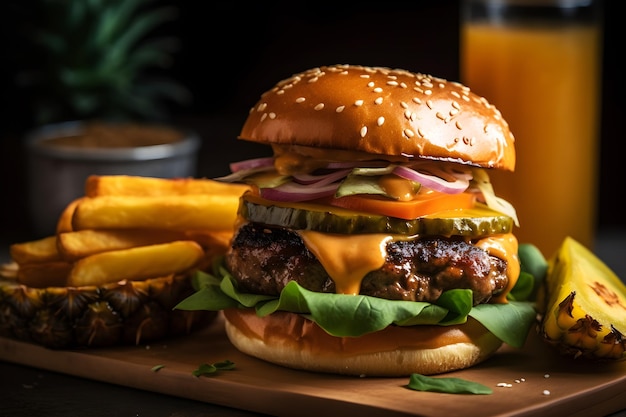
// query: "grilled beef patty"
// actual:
[[264, 259]]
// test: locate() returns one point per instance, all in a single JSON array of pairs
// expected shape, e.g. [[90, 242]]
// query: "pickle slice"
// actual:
[[475, 222]]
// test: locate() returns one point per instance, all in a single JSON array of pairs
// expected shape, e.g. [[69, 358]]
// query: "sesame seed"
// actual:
[[504, 385], [320, 106], [363, 131], [378, 90], [546, 392], [419, 90], [428, 92], [313, 79], [404, 105], [394, 83], [440, 116], [458, 125], [378, 100], [280, 92], [358, 103], [546, 376], [453, 112], [340, 109], [272, 115], [429, 103], [456, 105], [380, 121], [370, 84], [409, 133], [421, 133], [407, 114], [300, 100], [262, 106], [417, 100], [264, 116], [403, 85]]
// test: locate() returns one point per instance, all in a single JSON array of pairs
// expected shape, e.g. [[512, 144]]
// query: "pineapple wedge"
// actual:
[[124, 312], [583, 305]]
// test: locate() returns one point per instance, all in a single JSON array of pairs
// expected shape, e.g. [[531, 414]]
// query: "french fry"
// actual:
[[214, 244], [35, 251], [189, 212], [211, 239], [42, 275], [9, 270], [137, 263], [64, 224], [100, 185], [83, 243]]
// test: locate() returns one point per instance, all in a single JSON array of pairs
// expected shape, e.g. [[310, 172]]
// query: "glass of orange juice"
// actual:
[[539, 63]]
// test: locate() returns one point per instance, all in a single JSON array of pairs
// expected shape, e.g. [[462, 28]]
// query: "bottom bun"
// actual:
[[293, 341]]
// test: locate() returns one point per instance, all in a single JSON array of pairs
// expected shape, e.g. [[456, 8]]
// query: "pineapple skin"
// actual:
[[582, 306], [121, 313]]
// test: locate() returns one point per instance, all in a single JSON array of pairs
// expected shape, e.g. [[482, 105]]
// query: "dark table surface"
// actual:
[[31, 392]]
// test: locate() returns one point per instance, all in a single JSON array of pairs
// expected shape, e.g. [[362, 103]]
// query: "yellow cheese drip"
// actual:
[[347, 258], [504, 247], [397, 187]]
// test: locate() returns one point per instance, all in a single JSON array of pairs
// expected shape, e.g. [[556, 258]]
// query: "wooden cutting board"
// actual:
[[534, 379]]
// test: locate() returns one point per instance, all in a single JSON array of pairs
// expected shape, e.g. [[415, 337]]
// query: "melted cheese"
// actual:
[[399, 188], [348, 258], [503, 247]]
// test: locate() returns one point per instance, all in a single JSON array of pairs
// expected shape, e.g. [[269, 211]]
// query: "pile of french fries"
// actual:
[[131, 228]]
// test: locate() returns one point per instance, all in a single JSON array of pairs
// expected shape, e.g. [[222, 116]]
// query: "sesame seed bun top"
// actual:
[[385, 112]]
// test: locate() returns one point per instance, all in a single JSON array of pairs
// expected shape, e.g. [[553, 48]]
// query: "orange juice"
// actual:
[[546, 82]]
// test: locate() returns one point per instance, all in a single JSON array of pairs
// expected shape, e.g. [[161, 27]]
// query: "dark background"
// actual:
[[231, 53]]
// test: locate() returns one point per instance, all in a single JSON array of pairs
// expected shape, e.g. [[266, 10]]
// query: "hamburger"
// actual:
[[372, 242]]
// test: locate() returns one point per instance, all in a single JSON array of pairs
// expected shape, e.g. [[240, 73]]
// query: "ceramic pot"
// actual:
[[57, 169]]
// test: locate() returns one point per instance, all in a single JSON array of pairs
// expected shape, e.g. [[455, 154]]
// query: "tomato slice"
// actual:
[[421, 205]]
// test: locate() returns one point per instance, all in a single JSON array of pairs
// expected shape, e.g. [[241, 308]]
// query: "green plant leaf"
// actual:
[[206, 369], [356, 315], [532, 263], [509, 322], [98, 53], [419, 382]]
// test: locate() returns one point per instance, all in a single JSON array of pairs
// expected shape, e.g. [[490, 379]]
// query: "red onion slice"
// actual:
[[434, 178], [251, 164], [321, 179], [296, 192], [354, 164]]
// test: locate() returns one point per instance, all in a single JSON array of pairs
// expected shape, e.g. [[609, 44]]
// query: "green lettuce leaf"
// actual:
[[355, 315], [367, 181], [419, 382]]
